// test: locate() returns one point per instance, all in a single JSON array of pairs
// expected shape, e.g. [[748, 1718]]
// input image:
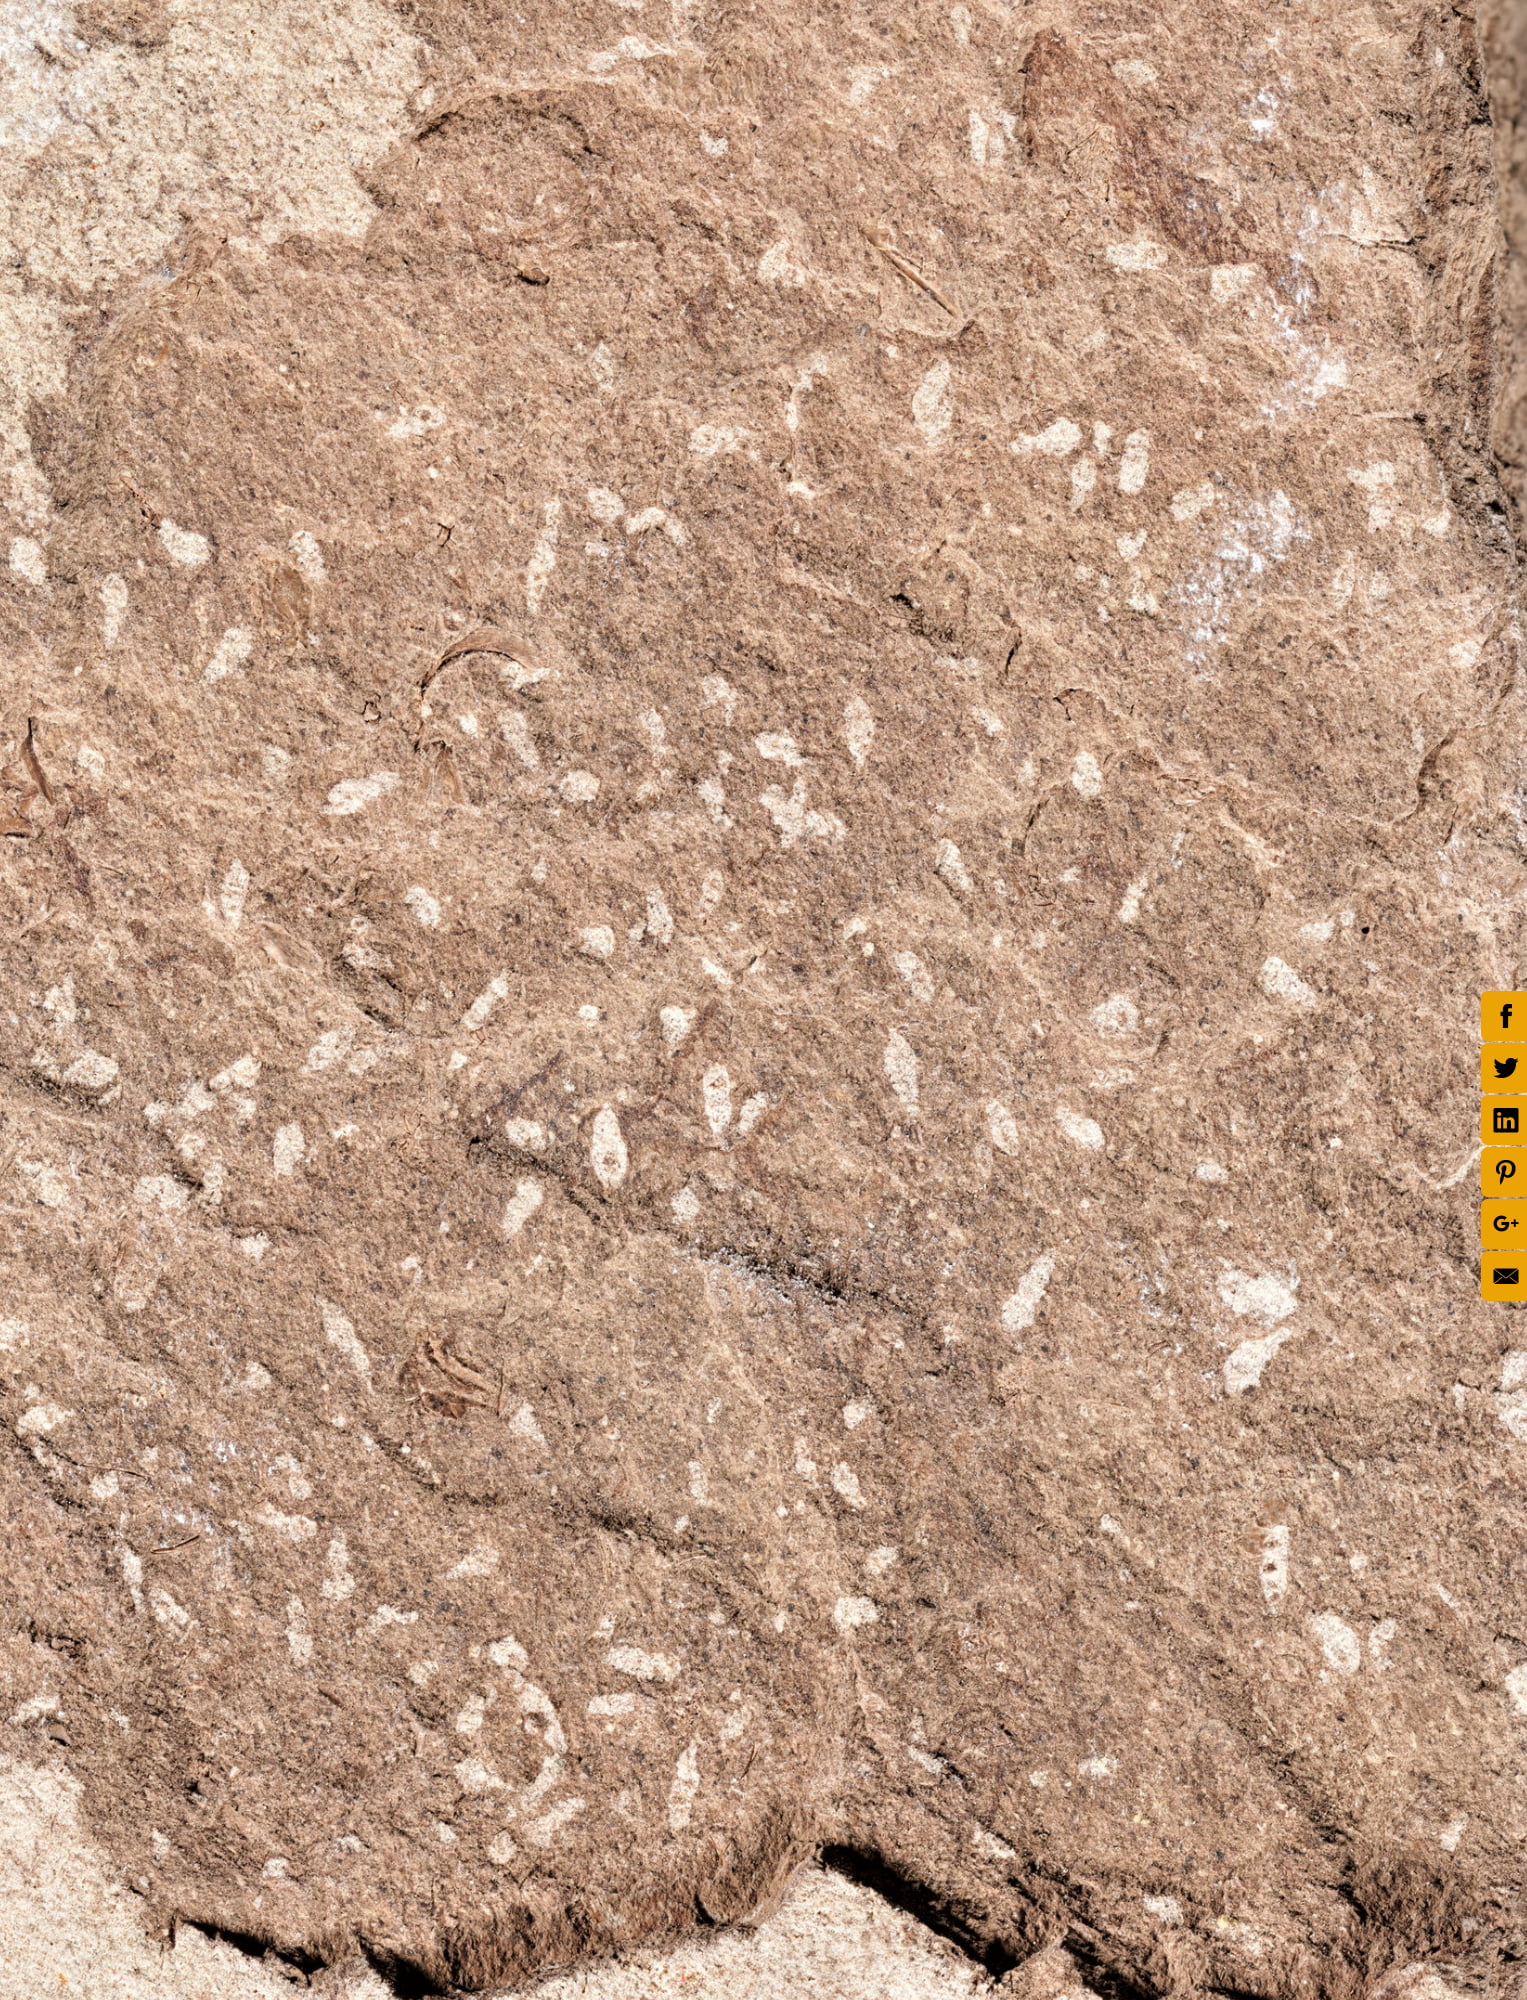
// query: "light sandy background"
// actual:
[[67, 1927]]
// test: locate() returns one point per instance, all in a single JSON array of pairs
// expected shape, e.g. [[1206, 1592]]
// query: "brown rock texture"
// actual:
[[745, 865]]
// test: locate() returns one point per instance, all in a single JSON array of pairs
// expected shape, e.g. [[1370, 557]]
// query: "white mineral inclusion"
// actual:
[[1339, 1644], [932, 405], [676, 1023], [339, 1332], [1267, 1298], [1019, 1309], [858, 729], [233, 650], [642, 1666], [900, 1065], [681, 1793], [1084, 1132], [425, 907], [353, 795], [1002, 1129], [184, 545], [1279, 981], [1273, 1569], [1056, 441], [521, 1206], [850, 1613], [607, 1149], [1141, 255]]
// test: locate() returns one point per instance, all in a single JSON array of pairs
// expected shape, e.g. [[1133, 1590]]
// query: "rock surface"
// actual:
[[759, 766]]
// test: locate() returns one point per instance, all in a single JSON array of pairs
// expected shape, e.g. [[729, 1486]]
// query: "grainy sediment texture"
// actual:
[[68, 1924], [771, 757]]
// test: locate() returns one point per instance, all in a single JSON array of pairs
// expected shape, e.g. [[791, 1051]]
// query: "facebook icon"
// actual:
[[1505, 1014]]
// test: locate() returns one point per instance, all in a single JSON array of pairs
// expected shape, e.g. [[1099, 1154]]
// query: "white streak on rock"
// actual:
[[1140, 255], [113, 609], [161, 1191], [291, 1527], [1018, 1310], [1117, 1015], [949, 864], [915, 973], [681, 1793], [230, 897], [1273, 1569], [1267, 1298], [858, 729], [482, 1559], [340, 1333], [933, 405], [425, 907], [299, 1640], [716, 1096], [1193, 501], [287, 1149], [90, 1072], [477, 1014], [543, 557], [353, 795], [659, 918], [643, 1666], [1002, 1128], [1086, 774], [338, 1583], [515, 731], [1061, 438], [779, 266], [900, 1065], [1135, 463]]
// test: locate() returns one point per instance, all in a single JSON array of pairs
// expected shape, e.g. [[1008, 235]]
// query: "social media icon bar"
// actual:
[[1502, 1171], [1503, 1225], [1503, 1146], [1503, 1121], [1502, 1066], [1503, 1017], [1502, 1276]]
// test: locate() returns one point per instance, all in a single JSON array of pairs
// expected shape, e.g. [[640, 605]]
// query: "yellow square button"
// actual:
[[1502, 1274], [1503, 1170], [1503, 1066], [1503, 1121], [1503, 1225], [1503, 1017]]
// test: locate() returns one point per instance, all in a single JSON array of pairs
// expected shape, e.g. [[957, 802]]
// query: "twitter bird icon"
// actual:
[[1506, 1068]]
